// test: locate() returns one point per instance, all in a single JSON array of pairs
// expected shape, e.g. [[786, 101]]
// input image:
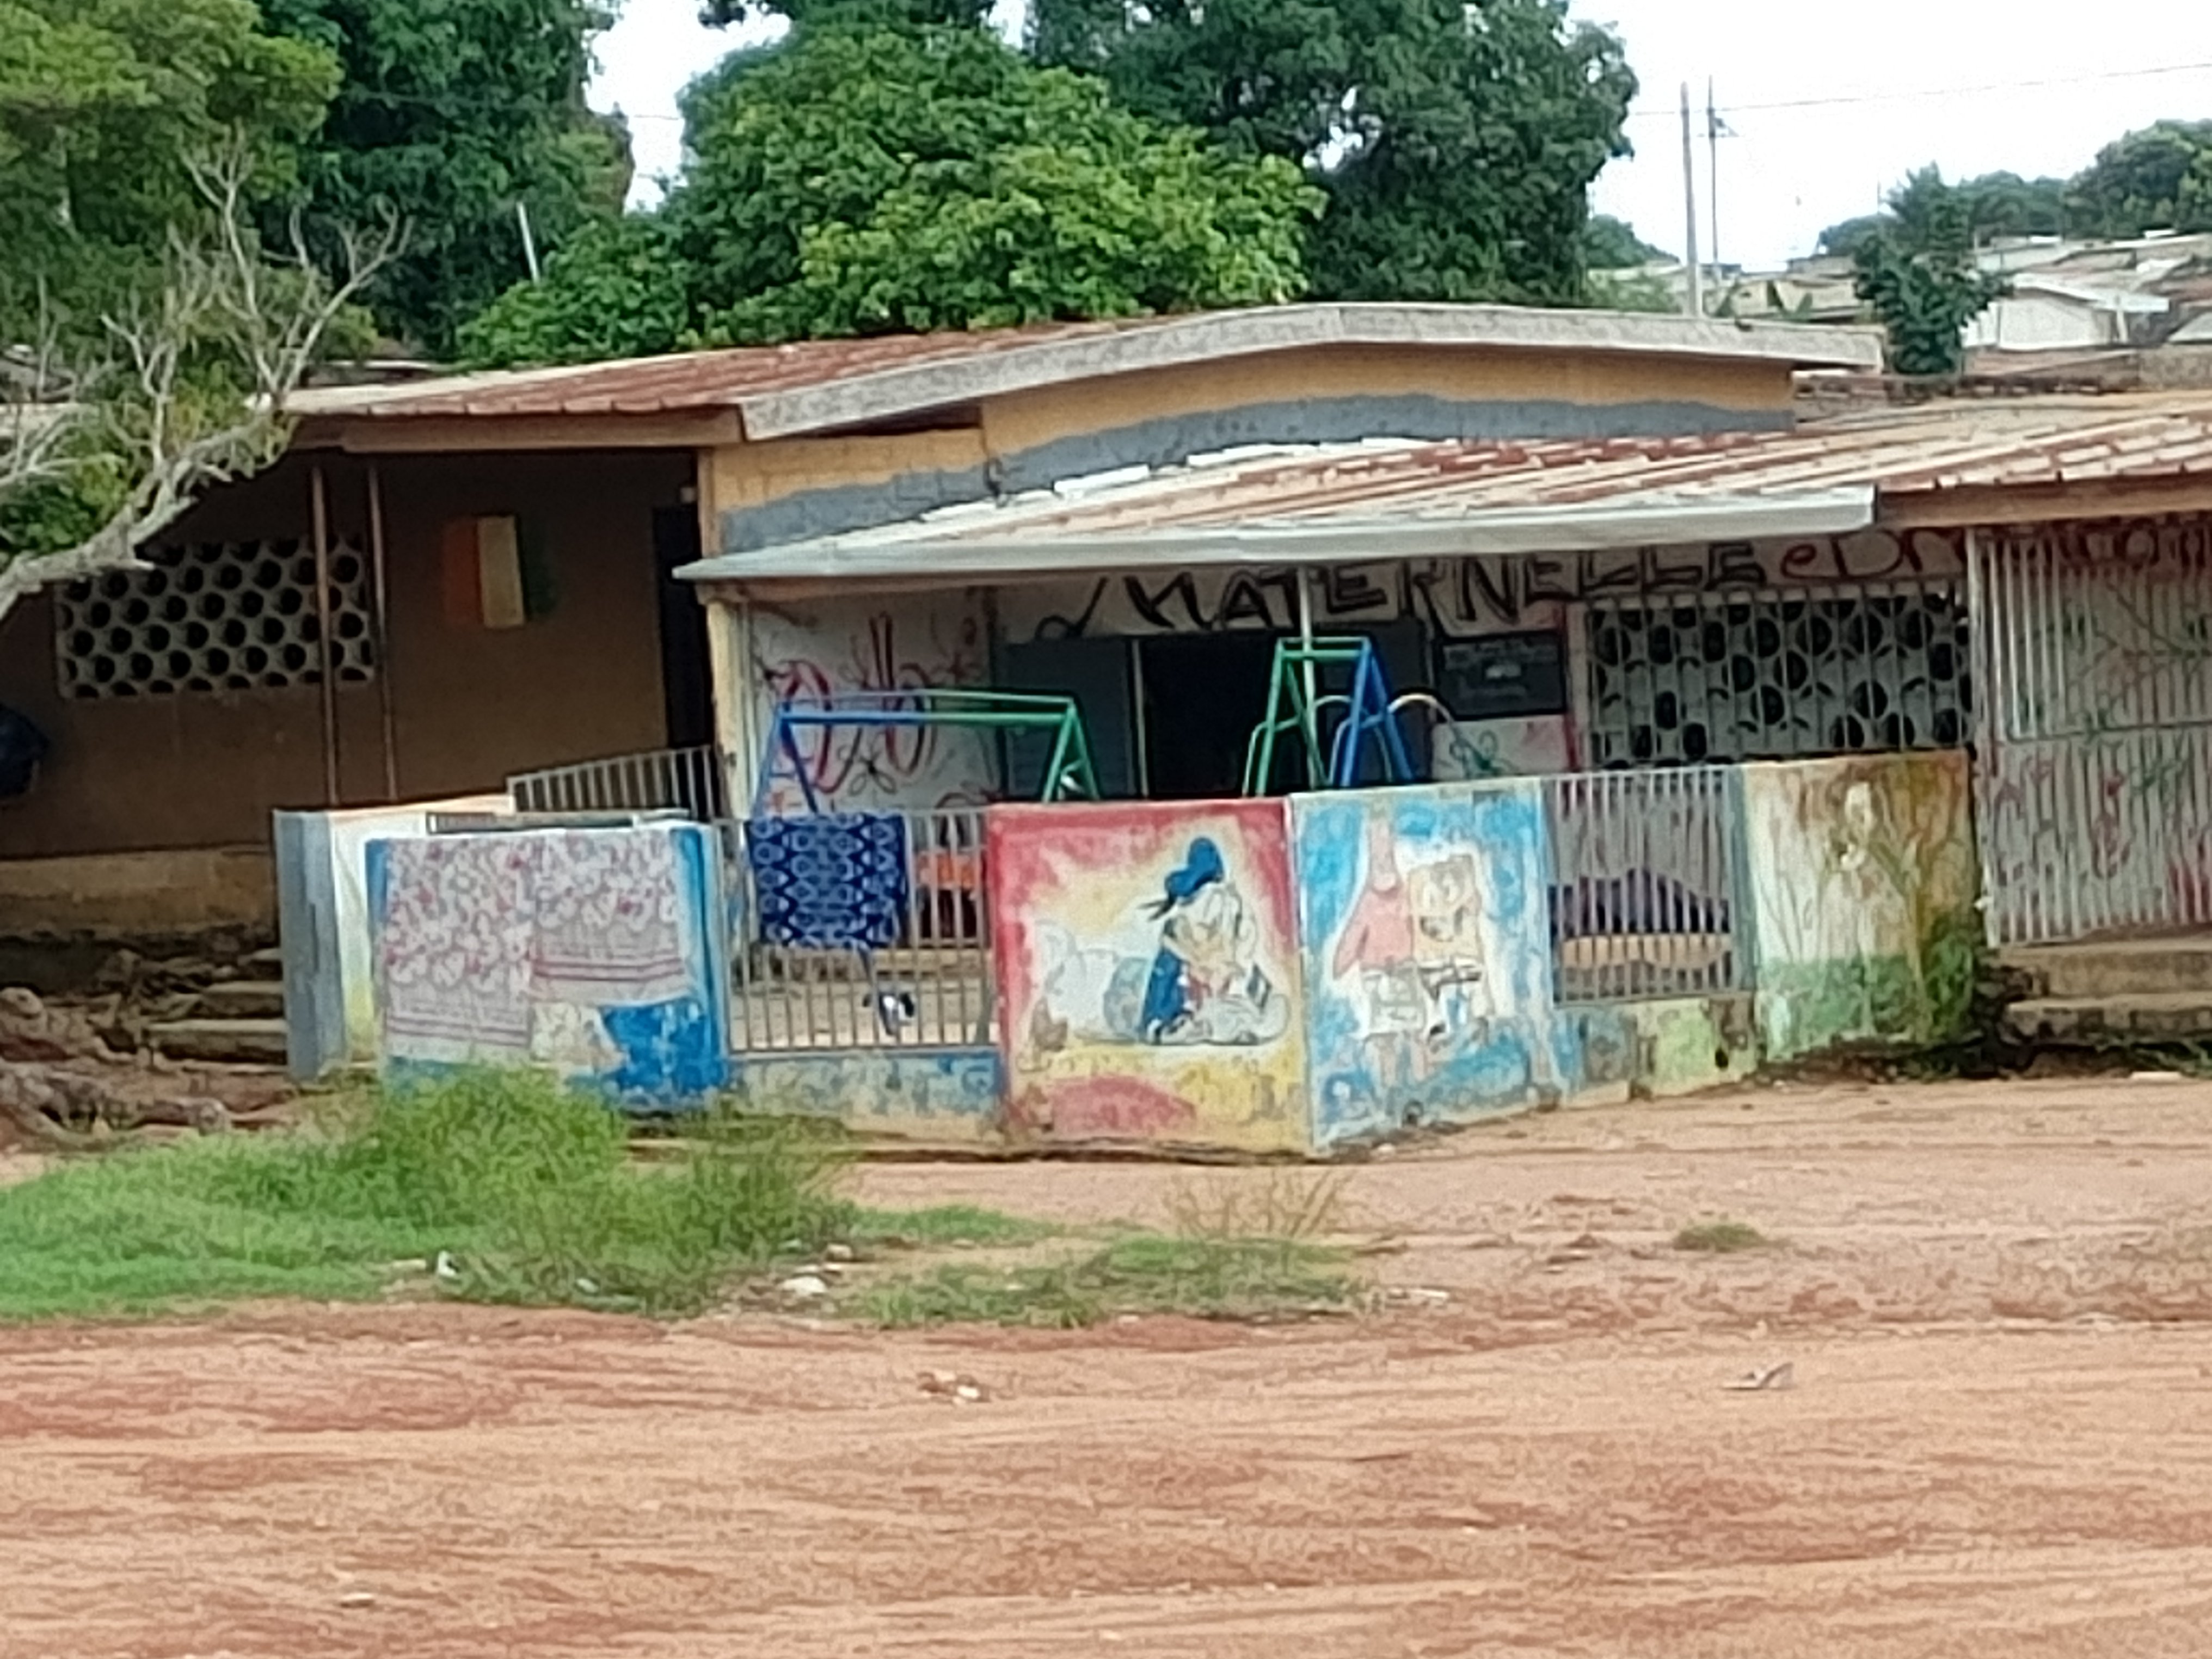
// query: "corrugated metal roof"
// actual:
[[684, 382], [814, 384], [1377, 487]]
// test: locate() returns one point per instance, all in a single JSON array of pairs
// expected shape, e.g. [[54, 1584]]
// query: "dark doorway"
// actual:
[[687, 682], [1203, 696]]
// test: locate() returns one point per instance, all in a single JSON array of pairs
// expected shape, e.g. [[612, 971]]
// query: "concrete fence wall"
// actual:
[[1257, 976]]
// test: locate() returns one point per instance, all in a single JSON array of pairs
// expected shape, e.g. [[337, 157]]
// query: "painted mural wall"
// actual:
[[943, 1097], [595, 954], [1863, 882], [1425, 924], [1148, 973], [914, 642]]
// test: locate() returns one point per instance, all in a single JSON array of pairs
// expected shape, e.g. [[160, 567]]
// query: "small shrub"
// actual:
[[1720, 1237]]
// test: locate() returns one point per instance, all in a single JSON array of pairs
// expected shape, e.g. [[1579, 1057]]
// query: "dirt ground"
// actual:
[[1996, 1298]]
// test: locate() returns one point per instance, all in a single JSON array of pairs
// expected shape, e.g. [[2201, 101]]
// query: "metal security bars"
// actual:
[[690, 780], [2094, 764], [1756, 676], [1646, 895], [933, 988]]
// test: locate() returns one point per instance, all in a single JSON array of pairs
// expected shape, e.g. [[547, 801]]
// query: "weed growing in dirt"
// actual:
[[1275, 1202], [524, 1189], [1140, 1274], [947, 1225], [1721, 1237]]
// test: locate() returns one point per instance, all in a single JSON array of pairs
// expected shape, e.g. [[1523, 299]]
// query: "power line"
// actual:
[[1661, 113]]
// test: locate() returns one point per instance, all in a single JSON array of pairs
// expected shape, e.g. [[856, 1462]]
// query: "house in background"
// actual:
[[447, 583]]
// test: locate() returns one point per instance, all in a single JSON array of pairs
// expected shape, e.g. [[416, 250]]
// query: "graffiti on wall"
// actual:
[[2095, 790], [1427, 942], [1148, 973], [810, 653], [1462, 597], [586, 952], [1863, 886], [2088, 832]]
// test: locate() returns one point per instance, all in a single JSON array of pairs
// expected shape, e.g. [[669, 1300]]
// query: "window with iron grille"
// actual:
[[1732, 676]]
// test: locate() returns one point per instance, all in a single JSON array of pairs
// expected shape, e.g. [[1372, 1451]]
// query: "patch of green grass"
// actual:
[[1721, 1237], [526, 1187], [948, 1225], [1140, 1274]]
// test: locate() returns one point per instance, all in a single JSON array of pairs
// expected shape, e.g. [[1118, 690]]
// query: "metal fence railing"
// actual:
[[689, 781], [931, 988], [1646, 898]]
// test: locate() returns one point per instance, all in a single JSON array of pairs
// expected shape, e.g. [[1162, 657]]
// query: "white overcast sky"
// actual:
[[1830, 104]]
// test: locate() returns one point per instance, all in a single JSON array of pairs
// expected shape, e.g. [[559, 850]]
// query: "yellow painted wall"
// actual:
[[745, 475], [1023, 420]]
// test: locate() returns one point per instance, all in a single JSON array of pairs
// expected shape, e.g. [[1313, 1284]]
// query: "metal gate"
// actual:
[[2093, 684]]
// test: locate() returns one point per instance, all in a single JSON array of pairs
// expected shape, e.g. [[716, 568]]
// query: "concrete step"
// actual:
[[2118, 968], [270, 960], [2091, 1022], [244, 999], [233, 1042]]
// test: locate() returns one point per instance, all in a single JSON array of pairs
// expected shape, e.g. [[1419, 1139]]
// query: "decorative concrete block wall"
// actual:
[[1424, 925], [1148, 973], [600, 955], [1863, 877]]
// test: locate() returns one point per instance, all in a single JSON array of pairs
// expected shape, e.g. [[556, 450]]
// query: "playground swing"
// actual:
[[1296, 704], [1067, 773]]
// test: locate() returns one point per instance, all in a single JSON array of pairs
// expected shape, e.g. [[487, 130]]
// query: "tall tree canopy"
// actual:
[[1611, 244], [861, 178], [102, 104], [2159, 179], [1917, 273], [147, 342], [450, 113], [1456, 139], [1994, 204]]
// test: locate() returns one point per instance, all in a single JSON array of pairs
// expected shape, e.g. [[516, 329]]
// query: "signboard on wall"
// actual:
[[1495, 675]]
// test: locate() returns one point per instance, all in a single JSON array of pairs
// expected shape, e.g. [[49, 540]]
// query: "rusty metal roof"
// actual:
[[815, 384], [1387, 492]]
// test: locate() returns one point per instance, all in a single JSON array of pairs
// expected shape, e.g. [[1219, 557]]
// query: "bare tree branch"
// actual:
[[223, 296]]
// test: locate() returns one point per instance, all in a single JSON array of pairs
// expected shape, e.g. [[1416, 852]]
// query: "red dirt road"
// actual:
[[1997, 1301]]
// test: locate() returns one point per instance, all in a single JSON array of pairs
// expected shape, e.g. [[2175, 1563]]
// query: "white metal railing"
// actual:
[[932, 989], [689, 781], [1646, 895]]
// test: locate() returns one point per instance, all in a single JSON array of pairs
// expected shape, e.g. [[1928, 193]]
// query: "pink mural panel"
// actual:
[[1148, 973]]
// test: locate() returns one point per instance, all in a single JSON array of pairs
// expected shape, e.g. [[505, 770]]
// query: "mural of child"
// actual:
[[1205, 985]]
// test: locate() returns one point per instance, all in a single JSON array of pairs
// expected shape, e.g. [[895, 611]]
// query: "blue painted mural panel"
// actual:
[[1428, 961]]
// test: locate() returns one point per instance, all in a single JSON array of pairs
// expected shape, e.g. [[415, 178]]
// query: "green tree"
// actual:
[[1611, 244], [103, 106], [149, 340], [451, 113], [1995, 205], [2157, 178], [856, 179], [1456, 141], [1918, 275], [616, 290]]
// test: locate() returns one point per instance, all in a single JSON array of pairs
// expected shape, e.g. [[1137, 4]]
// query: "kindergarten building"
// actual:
[[1719, 738]]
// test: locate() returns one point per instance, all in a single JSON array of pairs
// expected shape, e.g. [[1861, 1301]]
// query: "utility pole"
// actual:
[[1716, 129], [1690, 207]]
